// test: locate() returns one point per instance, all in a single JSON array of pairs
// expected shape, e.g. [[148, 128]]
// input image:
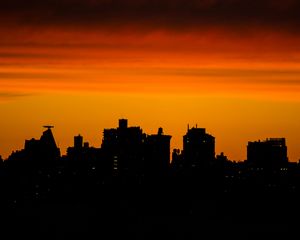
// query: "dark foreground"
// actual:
[[147, 213], [70, 201]]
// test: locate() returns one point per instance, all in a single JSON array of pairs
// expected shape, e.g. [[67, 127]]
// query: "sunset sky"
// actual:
[[230, 66]]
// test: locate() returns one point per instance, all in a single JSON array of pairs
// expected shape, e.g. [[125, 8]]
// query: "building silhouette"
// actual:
[[39, 150], [198, 149], [177, 163], [78, 142], [157, 154], [78, 151], [81, 154], [123, 148], [271, 153]]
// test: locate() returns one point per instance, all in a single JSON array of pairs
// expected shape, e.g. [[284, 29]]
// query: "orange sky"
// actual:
[[241, 83]]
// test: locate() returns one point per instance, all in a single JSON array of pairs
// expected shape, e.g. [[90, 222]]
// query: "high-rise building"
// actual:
[[123, 123], [81, 151], [124, 147], [78, 142], [198, 148], [269, 153], [157, 154], [76, 152]]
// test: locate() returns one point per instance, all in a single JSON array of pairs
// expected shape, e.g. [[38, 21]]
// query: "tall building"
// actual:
[[78, 142], [157, 154], [269, 153], [198, 148], [110, 151], [124, 147], [77, 151]]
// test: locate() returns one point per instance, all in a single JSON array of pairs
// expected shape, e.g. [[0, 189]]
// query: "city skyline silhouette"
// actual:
[[132, 176], [188, 126], [149, 119]]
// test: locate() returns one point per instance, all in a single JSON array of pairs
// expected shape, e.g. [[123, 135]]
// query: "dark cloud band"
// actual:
[[175, 14]]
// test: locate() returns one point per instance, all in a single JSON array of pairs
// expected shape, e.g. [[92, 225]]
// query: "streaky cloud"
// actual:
[[6, 95], [170, 14]]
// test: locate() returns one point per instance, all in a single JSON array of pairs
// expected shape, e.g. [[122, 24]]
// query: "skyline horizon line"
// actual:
[[189, 126]]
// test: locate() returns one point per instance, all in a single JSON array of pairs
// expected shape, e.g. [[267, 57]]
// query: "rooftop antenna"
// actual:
[[48, 127]]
